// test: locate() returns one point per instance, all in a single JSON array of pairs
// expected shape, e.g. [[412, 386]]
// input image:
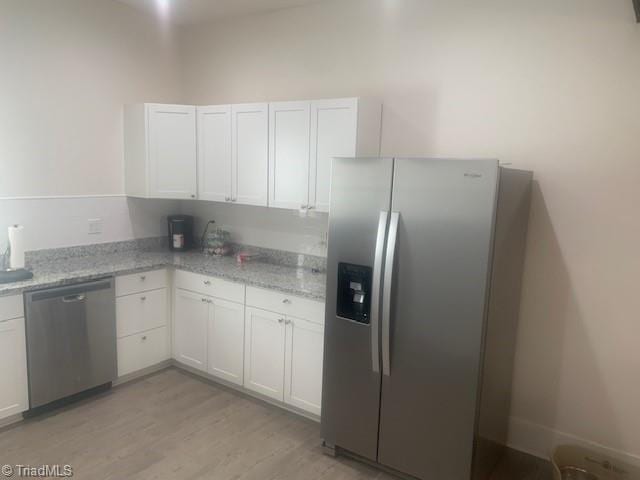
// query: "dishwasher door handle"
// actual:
[[74, 298]]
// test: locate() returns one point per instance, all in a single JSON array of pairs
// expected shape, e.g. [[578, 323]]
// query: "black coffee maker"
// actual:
[[180, 232]]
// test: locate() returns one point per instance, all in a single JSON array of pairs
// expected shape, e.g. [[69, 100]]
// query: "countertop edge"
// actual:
[[18, 290]]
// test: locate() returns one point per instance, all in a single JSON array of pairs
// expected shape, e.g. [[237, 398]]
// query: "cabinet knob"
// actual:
[[234, 199], [286, 301], [144, 338], [304, 207], [310, 207], [143, 277], [193, 196], [204, 300], [143, 298], [280, 320], [227, 199], [207, 282], [288, 322]]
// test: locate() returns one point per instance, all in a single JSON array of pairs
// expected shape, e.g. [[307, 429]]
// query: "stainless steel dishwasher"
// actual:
[[71, 340]]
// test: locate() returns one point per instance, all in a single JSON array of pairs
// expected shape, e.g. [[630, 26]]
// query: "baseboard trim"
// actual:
[[539, 441], [244, 391], [10, 421], [145, 372]]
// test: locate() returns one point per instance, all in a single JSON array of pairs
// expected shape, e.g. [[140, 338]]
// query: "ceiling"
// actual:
[[196, 11]]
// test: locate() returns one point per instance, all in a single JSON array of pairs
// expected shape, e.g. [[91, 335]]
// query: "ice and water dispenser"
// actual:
[[354, 292]]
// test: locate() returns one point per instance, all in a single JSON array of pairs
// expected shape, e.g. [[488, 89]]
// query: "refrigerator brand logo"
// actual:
[[472, 175]]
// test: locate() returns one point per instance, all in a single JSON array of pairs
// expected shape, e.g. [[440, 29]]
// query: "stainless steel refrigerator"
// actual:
[[424, 269]]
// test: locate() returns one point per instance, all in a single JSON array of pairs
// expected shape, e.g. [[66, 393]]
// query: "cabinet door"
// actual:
[[289, 137], [264, 352], [303, 364], [190, 329], [226, 340], [14, 398], [143, 350], [172, 151], [249, 152], [334, 134], [214, 153]]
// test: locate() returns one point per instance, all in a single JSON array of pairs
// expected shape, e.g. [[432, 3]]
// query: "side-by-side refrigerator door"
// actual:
[[439, 245], [358, 219]]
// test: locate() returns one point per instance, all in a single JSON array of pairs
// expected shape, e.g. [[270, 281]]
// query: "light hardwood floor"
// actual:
[[173, 426]]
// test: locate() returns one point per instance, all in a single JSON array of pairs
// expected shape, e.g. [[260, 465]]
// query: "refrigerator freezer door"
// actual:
[[360, 191], [438, 292]]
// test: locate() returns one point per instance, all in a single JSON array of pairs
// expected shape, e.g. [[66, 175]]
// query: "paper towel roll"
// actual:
[[16, 243]]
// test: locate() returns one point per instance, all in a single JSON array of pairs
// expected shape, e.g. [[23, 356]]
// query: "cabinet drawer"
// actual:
[[11, 307], [287, 304], [213, 287], [141, 282], [142, 350], [141, 311]]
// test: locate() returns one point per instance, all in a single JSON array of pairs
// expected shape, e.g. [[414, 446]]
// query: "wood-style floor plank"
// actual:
[[173, 426]]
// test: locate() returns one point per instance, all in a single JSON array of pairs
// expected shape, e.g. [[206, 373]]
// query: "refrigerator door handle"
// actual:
[[386, 293], [375, 291]]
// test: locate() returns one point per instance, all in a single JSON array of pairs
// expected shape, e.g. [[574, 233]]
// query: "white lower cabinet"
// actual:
[[265, 341], [303, 364], [142, 321], [142, 350], [14, 396], [225, 344], [264, 352], [283, 351], [191, 314]]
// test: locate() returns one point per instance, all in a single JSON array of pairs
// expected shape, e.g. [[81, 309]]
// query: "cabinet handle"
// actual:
[[280, 320], [143, 298], [288, 322], [310, 207], [207, 282], [204, 300], [286, 301], [304, 207], [227, 199], [143, 278], [144, 338], [234, 199], [193, 196]]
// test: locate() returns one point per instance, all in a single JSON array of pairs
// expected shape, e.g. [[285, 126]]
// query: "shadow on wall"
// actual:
[[408, 122], [554, 355], [148, 218]]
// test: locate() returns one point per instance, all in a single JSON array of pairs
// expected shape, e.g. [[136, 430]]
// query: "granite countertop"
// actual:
[[53, 271]]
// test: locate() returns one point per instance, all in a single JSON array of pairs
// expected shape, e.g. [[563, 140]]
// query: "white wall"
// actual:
[[548, 86], [63, 222], [264, 227], [68, 67]]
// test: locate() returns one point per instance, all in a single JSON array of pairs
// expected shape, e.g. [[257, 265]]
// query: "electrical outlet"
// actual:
[[324, 238], [95, 226]]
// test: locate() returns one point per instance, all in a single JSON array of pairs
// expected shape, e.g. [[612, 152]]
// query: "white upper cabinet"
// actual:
[[277, 154], [160, 151], [214, 153], [289, 146], [304, 137], [334, 124], [249, 152]]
